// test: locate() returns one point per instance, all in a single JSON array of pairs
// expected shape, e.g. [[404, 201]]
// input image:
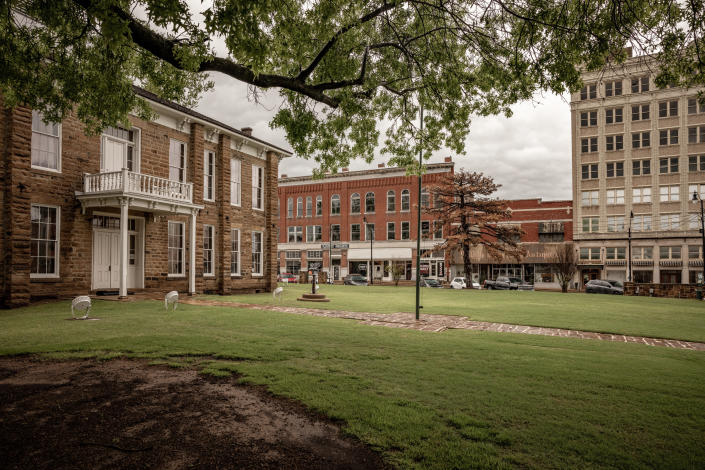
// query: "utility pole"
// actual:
[[631, 216], [418, 225]]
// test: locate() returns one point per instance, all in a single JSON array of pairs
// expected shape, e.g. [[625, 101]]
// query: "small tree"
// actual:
[[566, 264], [463, 205], [396, 270]]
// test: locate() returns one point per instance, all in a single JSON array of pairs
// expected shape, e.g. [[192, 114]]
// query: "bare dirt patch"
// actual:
[[128, 414]]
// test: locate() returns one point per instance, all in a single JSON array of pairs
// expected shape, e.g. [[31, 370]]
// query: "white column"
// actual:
[[192, 256], [124, 204]]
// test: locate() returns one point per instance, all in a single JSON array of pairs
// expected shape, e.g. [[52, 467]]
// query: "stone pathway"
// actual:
[[438, 323]]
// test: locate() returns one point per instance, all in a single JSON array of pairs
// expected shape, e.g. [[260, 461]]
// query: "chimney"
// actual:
[[247, 131], [628, 51], [448, 160], [285, 176], [380, 165], [345, 170]]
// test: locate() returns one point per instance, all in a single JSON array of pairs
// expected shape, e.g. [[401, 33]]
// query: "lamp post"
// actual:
[[696, 197], [418, 220], [371, 236], [631, 216]]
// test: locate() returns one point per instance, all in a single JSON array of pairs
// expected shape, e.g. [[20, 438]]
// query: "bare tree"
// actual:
[[396, 270], [566, 264]]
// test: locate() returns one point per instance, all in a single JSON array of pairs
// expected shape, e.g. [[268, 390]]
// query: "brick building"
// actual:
[[546, 225], [181, 203], [351, 207], [638, 157]]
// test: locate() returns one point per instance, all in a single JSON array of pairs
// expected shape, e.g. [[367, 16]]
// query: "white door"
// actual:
[[113, 155], [106, 267]]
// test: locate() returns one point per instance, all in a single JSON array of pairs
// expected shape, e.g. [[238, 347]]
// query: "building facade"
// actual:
[[546, 226], [182, 203], [369, 217], [638, 156]]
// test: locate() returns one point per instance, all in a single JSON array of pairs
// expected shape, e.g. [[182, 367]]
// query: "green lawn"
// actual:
[[639, 316], [458, 399]]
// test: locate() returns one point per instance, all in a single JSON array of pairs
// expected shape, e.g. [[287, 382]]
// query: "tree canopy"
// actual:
[[345, 69]]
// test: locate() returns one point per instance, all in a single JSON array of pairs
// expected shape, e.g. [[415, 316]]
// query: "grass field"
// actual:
[[458, 399], [639, 316]]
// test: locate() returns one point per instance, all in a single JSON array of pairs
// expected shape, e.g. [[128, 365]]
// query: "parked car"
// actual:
[[598, 286], [426, 282], [355, 280], [508, 283], [288, 277], [458, 283], [521, 284]]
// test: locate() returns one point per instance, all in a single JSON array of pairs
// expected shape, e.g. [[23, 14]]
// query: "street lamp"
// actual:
[[370, 235], [631, 216], [696, 197]]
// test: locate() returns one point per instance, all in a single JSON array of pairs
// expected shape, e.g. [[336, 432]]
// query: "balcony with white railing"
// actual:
[[129, 183]]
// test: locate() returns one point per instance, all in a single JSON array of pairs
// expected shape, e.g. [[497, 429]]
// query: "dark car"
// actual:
[[597, 286], [288, 277], [355, 280], [425, 282], [520, 284]]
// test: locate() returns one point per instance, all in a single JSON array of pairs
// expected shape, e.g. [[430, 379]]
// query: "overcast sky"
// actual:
[[528, 154]]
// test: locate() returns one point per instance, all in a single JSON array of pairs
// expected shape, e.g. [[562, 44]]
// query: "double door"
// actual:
[[106, 260]]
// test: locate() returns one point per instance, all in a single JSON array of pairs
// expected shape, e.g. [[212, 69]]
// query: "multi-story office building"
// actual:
[[352, 209], [183, 203], [637, 149]]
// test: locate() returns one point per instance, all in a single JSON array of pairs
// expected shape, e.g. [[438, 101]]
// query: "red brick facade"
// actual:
[[24, 186]]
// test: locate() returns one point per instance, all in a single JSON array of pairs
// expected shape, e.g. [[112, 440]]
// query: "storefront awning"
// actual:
[[379, 253]]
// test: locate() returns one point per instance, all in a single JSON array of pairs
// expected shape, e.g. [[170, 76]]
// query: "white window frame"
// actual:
[[615, 196], [391, 197], [57, 243], [592, 225], [615, 223], [235, 183], [58, 137], [209, 233], [235, 254], [359, 232], [669, 193], [182, 250], [394, 230], [641, 195], [257, 190], [590, 198], [309, 206], [136, 153], [319, 206], [175, 144], [672, 221], [642, 223], [260, 271], [405, 194], [333, 198], [290, 208], [208, 179], [401, 230]]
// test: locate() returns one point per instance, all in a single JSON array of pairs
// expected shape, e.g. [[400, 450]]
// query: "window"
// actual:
[[405, 231], [391, 201], [369, 232], [319, 206], [295, 234], [437, 229], [694, 251], [669, 252], [236, 185], [588, 92], [641, 167], [669, 193], [355, 232], [314, 254], [641, 139], [615, 169], [641, 195], [44, 239], [695, 107], [299, 207], [588, 145], [668, 136], [313, 233], [696, 163], [696, 188], [405, 198], [425, 199], [589, 171], [290, 208], [335, 204], [176, 248], [591, 224], [615, 196], [588, 119], [208, 175], [614, 115], [614, 142], [335, 233], [670, 221], [391, 235], [177, 161], [613, 88], [425, 229], [257, 188], [235, 252], [589, 198], [640, 112], [257, 247], [641, 223], [668, 165], [615, 223], [590, 252], [309, 206], [612, 252], [694, 221], [355, 203], [208, 250], [696, 135], [640, 84], [642, 252], [369, 202], [668, 108], [119, 149], [46, 143]]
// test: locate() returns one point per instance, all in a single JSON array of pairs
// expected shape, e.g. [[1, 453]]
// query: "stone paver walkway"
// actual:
[[438, 323]]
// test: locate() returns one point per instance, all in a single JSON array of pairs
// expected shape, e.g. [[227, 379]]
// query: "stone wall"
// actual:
[[680, 291]]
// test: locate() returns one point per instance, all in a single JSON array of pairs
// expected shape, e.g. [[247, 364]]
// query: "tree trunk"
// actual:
[[467, 266]]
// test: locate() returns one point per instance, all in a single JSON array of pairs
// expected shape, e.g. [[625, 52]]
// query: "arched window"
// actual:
[[300, 207], [309, 206], [319, 206], [335, 204], [355, 203], [391, 201], [405, 200], [370, 202], [425, 199], [290, 207]]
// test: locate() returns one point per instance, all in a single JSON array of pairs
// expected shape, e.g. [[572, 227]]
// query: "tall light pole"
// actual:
[[370, 236], [418, 224], [696, 197], [631, 216]]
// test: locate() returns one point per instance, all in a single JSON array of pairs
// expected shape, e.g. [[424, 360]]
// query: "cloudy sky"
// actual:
[[528, 154]]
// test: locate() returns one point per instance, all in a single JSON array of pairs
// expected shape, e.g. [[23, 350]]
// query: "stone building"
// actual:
[[638, 156], [181, 203]]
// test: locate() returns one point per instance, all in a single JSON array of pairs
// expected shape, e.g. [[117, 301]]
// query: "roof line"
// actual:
[[358, 172]]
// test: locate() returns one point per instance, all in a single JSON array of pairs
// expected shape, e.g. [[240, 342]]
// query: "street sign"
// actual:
[[343, 246], [325, 246]]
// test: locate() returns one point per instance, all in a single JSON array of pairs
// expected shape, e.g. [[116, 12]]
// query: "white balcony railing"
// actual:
[[129, 182]]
